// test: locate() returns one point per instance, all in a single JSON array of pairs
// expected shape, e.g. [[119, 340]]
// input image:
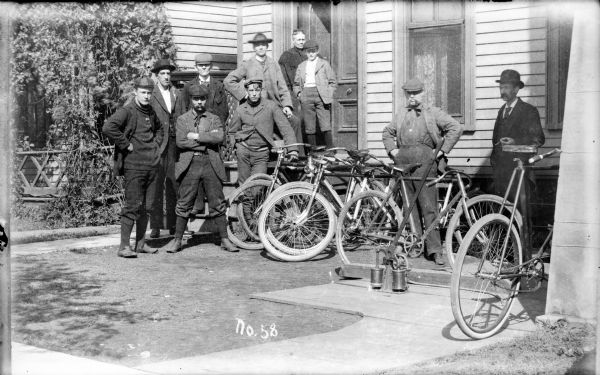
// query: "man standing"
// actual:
[[274, 86], [315, 86], [412, 137], [290, 60], [137, 134], [163, 103], [517, 123], [199, 134], [252, 126]]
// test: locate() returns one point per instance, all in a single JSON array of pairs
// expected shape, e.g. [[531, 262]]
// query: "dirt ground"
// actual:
[[162, 306]]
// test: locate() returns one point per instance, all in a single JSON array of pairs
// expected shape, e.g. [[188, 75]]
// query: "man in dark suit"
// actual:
[[517, 123], [199, 134], [163, 101]]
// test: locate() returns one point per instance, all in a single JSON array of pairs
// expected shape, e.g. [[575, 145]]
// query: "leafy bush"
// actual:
[[82, 59]]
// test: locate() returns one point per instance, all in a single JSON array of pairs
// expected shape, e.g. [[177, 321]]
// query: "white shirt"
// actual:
[[511, 105], [309, 80], [166, 94], [202, 81]]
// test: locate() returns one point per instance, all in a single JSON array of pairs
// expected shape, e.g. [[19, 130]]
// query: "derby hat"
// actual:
[[253, 81], [260, 38], [203, 58], [163, 64], [197, 90], [144, 83], [511, 76], [413, 84], [311, 44]]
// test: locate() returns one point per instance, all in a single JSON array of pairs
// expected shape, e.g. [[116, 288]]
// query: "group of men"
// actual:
[[167, 142]]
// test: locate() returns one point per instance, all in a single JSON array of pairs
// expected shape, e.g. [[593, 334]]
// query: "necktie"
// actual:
[[507, 111]]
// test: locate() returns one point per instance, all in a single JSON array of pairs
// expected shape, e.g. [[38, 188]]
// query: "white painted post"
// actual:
[[576, 242]]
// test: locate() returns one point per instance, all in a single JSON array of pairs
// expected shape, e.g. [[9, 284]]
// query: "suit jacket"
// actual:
[[216, 102], [523, 125], [166, 118], [289, 62], [209, 140], [274, 86], [267, 115], [324, 78], [439, 124]]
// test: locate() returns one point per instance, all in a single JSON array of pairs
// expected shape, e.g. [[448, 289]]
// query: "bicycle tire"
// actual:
[[479, 206], [354, 242], [476, 262], [238, 229], [288, 241]]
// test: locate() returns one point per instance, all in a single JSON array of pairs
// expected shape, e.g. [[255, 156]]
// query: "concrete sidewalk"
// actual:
[[397, 330]]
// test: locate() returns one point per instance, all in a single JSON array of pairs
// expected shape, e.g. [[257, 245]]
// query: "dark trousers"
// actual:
[[250, 162], [502, 171], [314, 111], [200, 171], [296, 125], [165, 188], [427, 200], [139, 196]]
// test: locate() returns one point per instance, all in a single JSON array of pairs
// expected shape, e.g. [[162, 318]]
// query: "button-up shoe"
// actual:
[[228, 246], [174, 246], [126, 252], [141, 247]]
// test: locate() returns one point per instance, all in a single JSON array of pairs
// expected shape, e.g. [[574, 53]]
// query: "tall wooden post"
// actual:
[[5, 163]]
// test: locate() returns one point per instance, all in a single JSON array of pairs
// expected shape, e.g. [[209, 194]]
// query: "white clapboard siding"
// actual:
[[256, 17], [204, 26], [507, 36]]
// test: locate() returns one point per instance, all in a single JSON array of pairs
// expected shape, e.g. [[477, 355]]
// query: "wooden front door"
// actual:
[[334, 27]]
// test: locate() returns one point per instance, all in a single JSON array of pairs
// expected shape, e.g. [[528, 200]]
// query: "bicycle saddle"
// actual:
[[359, 155], [406, 168]]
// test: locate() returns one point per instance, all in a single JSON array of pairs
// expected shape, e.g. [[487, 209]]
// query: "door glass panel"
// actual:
[[422, 11], [450, 10]]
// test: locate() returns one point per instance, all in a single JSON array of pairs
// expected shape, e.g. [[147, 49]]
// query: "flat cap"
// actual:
[[413, 84], [311, 44], [163, 64], [203, 58], [260, 38], [144, 83], [253, 81], [511, 76], [198, 90]]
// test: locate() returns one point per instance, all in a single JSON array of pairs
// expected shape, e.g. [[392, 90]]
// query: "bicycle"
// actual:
[[372, 219], [490, 268], [298, 221], [245, 201]]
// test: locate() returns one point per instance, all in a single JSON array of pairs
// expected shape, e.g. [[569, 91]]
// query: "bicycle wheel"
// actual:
[[241, 217], [482, 290], [478, 207], [293, 231], [366, 223]]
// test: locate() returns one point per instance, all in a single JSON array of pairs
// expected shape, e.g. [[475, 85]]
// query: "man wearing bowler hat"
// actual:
[[163, 102], [412, 137], [137, 133], [274, 85], [199, 135], [517, 123]]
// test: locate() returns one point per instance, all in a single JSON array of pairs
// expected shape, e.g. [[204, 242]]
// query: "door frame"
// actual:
[[285, 20]]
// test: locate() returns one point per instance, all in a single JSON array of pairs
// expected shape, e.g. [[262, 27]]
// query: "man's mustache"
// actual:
[[503, 96]]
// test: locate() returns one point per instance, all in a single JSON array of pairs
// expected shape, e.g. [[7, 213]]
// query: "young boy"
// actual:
[[314, 85]]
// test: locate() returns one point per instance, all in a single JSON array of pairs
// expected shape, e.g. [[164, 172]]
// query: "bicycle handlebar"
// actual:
[[451, 171], [535, 159]]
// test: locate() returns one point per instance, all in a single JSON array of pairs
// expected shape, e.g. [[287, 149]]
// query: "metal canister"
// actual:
[[400, 279], [377, 277]]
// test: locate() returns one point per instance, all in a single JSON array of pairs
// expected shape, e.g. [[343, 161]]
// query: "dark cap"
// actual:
[[144, 83], [413, 84], [198, 90], [311, 44], [253, 81], [163, 64], [203, 58], [511, 76], [260, 38]]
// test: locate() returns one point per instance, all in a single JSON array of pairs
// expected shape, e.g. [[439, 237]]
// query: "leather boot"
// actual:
[[140, 236], [124, 248], [174, 246], [228, 246]]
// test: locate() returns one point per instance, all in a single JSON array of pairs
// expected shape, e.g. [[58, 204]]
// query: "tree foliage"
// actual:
[[82, 59]]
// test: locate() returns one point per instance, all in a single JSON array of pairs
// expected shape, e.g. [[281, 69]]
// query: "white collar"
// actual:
[[160, 87], [512, 104], [204, 80]]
